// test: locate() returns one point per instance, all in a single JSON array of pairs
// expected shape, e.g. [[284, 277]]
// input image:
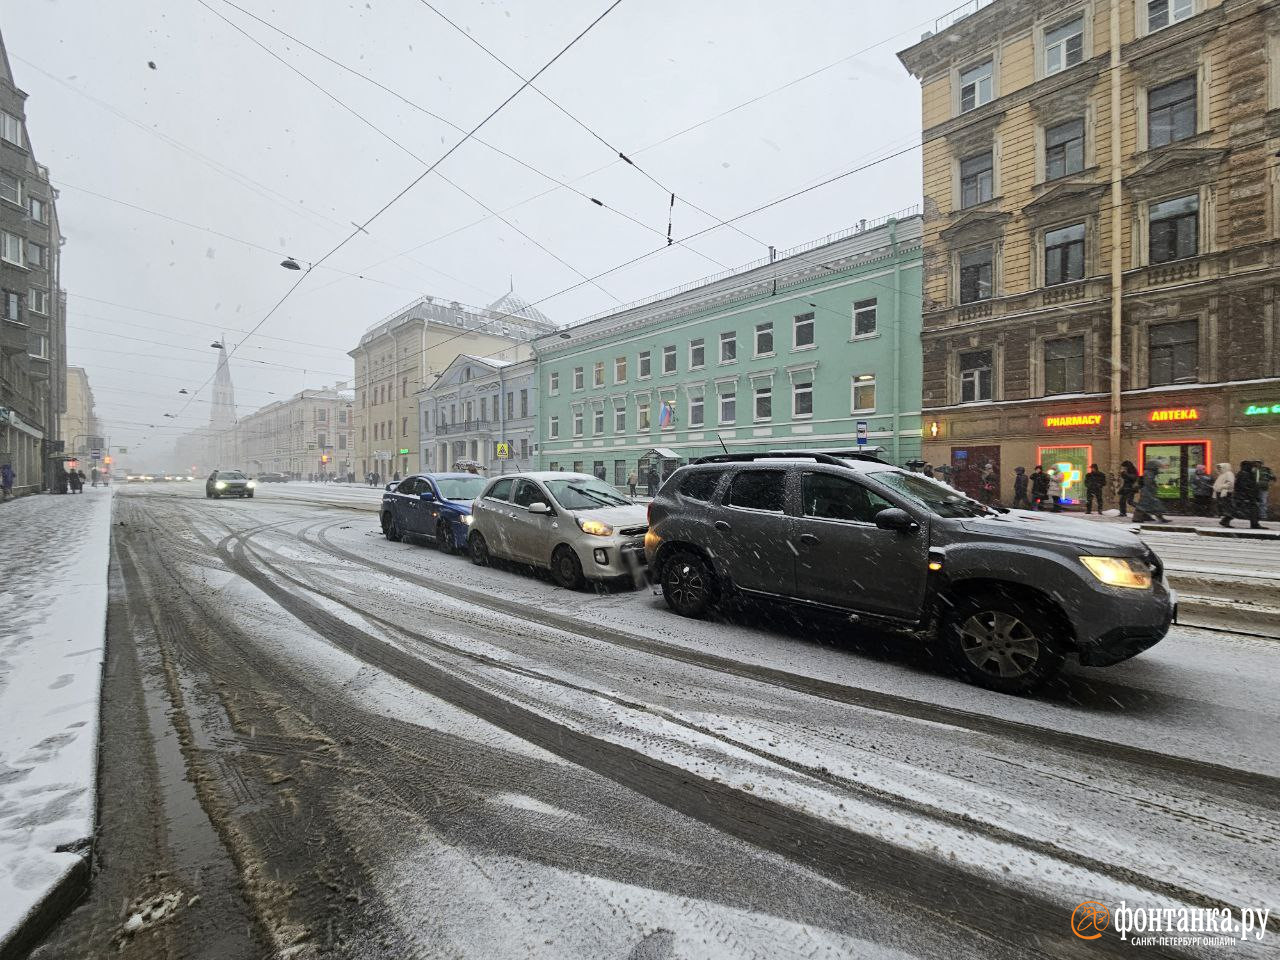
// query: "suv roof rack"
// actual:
[[834, 458]]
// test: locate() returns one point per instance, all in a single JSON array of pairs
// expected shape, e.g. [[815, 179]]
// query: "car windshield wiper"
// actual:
[[599, 498]]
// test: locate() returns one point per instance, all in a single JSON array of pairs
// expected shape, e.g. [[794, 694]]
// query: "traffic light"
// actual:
[[107, 459], [324, 458]]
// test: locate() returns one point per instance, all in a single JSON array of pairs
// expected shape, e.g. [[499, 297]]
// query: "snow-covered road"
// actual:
[[403, 754]]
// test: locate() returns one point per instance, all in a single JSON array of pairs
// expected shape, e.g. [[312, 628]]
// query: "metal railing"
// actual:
[[952, 17]]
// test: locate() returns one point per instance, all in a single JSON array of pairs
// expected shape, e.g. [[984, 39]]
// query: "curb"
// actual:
[[1238, 534], [56, 903]]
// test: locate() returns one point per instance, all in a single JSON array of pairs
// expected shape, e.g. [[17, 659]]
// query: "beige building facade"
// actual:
[[303, 437], [81, 428], [1102, 236]]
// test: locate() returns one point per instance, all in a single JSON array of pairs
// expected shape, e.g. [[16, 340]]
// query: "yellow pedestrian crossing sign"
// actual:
[[502, 450]]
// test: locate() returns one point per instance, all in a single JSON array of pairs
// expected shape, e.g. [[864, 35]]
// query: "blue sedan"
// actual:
[[436, 506]]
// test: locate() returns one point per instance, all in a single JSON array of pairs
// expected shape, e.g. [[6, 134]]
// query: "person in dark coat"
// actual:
[[1149, 503], [990, 485], [653, 481], [1202, 491], [1020, 487], [1095, 482], [93, 475], [1129, 482], [1039, 487], [73, 481], [60, 479], [1245, 497]]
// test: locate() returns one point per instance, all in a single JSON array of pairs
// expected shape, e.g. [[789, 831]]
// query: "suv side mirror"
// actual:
[[539, 507], [427, 496], [391, 486], [896, 519]]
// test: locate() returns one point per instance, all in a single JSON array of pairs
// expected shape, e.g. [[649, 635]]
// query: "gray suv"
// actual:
[[1006, 595]]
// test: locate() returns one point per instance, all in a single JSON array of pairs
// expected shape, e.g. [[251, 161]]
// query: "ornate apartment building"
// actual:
[[1102, 235], [307, 435]]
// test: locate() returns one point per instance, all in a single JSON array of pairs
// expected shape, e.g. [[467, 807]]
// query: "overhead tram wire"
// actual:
[[560, 183], [361, 228]]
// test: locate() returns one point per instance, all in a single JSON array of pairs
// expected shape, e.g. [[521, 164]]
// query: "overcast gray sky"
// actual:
[[223, 136]]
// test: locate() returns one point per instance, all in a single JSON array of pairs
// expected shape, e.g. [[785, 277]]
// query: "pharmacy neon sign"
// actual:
[[1074, 420], [1173, 416]]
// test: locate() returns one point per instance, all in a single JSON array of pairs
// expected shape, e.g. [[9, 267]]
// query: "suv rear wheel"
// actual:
[[1002, 642], [688, 584]]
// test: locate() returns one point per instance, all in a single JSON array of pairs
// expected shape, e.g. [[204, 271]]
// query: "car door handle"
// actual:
[[809, 540], [722, 526]]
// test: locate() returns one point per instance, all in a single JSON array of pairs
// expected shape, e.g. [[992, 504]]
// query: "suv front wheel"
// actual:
[[688, 584], [1002, 642]]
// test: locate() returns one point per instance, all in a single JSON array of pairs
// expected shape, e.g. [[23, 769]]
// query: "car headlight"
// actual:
[[252, 483], [1120, 571], [466, 519], [220, 485], [595, 528]]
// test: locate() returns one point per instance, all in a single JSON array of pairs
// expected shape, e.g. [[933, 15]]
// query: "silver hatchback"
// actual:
[[577, 527]]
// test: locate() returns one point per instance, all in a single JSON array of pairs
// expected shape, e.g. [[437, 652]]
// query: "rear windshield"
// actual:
[[461, 488], [937, 497], [585, 494]]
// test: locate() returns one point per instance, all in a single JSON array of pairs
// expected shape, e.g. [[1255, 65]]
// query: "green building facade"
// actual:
[[788, 354]]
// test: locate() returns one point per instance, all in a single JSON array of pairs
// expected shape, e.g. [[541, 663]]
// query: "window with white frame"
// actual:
[[10, 188], [597, 422], [802, 332], [597, 374], [577, 378], [669, 359], [553, 383], [12, 306], [620, 370], [975, 376], [728, 346], [697, 354], [1064, 149], [577, 423], [764, 339], [697, 411], [864, 318], [38, 300], [802, 399], [976, 267], [11, 128], [1064, 254], [619, 419], [642, 415], [1164, 13], [763, 409], [38, 213], [976, 86], [38, 345], [729, 406], [1064, 46], [646, 364], [36, 255], [1174, 227], [11, 248], [977, 179], [864, 393], [1171, 112], [553, 428]]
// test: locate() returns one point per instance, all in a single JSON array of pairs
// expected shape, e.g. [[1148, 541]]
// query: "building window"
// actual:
[[322, 415], [976, 179], [764, 403], [620, 370], [1064, 46], [802, 331], [697, 410], [975, 275], [404, 426], [975, 376], [864, 318], [38, 346], [553, 428], [1162, 13], [38, 300], [1173, 350], [377, 427], [645, 365], [597, 422], [342, 417], [597, 374], [1175, 229], [697, 354], [342, 441], [10, 188], [864, 393], [976, 86], [577, 378], [642, 416], [1171, 112], [1064, 149], [484, 409], [524, 403], [11, 128], [12, 306], [37, 210], [764, 339], [577, 423], [11, 248], [553, 383], [728, 346], [524, 448], [669, 359], [320, 440], [728, 407], [1064, 255], [620, 420], [404, 387], [1064, 365], [802, 399]]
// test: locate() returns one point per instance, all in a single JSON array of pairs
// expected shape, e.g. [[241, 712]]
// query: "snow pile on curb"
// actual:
[[54, 552]]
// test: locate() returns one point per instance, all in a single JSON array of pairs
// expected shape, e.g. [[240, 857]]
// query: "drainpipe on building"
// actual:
[[502, 413], [1117, 250], [897, 344]]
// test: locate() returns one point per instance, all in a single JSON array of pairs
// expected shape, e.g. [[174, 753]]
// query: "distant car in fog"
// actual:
[[271, 478], [228, 483]]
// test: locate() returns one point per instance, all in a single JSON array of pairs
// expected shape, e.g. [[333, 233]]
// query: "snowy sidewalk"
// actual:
[[53, 607]]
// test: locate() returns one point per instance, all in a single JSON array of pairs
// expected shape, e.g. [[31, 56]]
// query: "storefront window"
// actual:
[[1071, 463]]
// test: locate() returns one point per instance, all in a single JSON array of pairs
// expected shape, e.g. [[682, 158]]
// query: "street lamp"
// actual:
[[290, 264], [183, 390], [217, 345]]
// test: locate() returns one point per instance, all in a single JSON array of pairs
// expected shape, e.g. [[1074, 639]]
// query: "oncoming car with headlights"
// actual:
[[1005, 595], [228, 483], [571, 524]]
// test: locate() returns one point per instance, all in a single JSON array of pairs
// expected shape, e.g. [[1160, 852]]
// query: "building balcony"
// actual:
[[13, 337], [467, 426]]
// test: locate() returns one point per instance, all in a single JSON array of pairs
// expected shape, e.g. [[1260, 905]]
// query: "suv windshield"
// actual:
[[461, 488], [230, 475], [585, 494], [937, 497]]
